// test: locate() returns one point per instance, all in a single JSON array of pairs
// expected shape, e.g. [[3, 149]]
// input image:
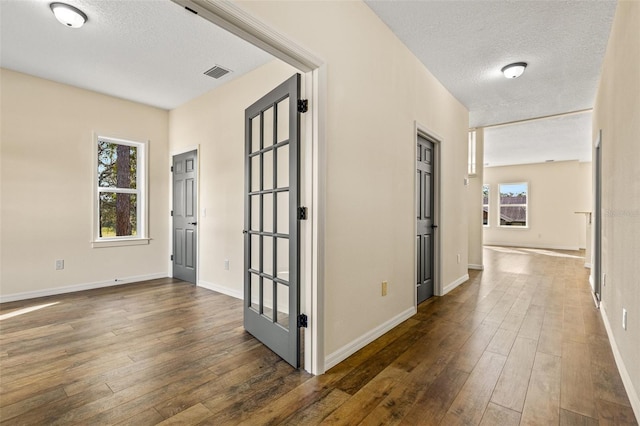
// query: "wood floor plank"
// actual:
[[611, 414], [511, 389], [315, 413], [576, 388], [192, 415], [502, 341], [471, 402], [498, 415], [569, 418], [432, 405], [474, 347], [542, 405], [166, 351]]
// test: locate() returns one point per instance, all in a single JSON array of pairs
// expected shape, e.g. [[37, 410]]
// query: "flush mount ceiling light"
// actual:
[[68, 15], [514, 70]]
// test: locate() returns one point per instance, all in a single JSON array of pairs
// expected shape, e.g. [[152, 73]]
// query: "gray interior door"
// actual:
[[271, 229], [424, 214], [185, 216]]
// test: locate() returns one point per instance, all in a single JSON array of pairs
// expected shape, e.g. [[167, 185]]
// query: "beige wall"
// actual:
[[47, 177], [376, 91], [214, 122], [556, 192], [617, 113]]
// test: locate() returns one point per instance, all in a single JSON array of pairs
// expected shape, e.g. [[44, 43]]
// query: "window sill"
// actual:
[[120, 243]]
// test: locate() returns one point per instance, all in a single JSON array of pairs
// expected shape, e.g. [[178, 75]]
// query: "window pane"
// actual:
[[282, 297], [513, 193], [472, 153], [513, 216], [268, 128], [485, 205], [283, 121], [117, 165], [118, 214]]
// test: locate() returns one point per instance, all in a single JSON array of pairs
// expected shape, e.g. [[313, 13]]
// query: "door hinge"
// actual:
[[171, 212], [172, 169], [171, 257], [303, 105], [303, 321], [302, 213]]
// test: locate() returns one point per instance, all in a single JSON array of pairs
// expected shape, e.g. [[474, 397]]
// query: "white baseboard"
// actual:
[[80, 287], [455, 284], [632, 393], [476, 267], [535, 246], [362, 341], [238, 294]]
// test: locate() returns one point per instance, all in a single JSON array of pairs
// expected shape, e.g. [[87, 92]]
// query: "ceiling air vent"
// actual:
[[217, 72]]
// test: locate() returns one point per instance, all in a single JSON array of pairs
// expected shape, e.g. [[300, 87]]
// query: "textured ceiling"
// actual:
[[149, 51], [466, 43], [154, 52]]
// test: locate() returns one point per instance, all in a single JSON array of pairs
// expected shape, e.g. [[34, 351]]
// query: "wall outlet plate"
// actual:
[[624, 318], [384, 288], [59, 265]]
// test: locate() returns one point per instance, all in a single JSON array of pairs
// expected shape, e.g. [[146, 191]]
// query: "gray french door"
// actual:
[[271, 229], [424, 214], [185, 216]]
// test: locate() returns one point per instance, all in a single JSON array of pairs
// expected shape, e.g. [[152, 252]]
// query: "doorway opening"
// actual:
[[235, 20]]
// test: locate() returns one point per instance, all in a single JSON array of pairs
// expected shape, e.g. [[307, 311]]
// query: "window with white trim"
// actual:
[[485, 205], [471, 164], [120, 201], [514, 201]]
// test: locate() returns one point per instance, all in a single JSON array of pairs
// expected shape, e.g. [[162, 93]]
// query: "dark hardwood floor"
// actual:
[[519, 343]]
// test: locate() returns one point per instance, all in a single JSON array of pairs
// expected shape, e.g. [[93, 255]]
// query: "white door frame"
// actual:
[[438, 218], [313, 162]]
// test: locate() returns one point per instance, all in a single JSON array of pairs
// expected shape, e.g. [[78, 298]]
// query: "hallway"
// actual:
[[519, 343]]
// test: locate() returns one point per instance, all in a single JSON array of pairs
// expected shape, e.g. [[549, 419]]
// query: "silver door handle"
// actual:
[[192, 223]]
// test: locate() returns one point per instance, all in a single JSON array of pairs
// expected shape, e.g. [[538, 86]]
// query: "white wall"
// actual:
[[47, 186], [556, 191], [376, 91], [617, 113], [215, 123]]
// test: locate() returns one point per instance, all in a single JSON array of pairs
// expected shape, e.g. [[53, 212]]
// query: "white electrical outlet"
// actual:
[[384, 288], [458, 258], [226, 264], [624, 318], [59, 265]]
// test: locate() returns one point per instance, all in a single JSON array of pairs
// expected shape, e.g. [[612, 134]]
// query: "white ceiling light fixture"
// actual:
[[514, 70], [68, 15]]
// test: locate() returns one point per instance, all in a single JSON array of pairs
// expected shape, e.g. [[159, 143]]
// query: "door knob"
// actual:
[[192, 223]]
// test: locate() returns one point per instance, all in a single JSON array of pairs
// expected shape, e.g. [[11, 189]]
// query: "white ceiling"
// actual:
[[466, 43], [155, 52], [149, 51], [561, 138]]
